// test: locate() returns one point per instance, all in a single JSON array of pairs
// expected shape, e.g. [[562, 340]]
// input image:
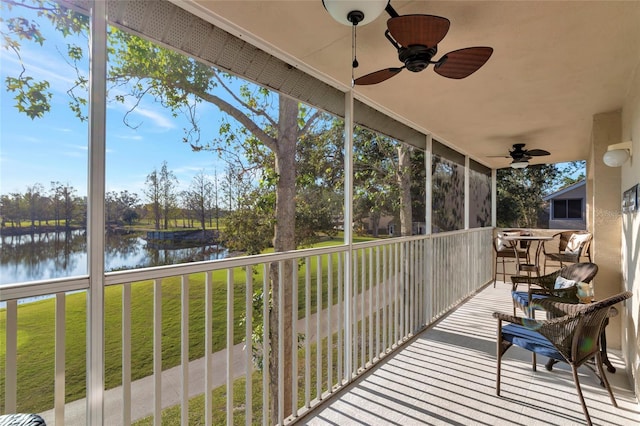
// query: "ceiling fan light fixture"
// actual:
[[355, 12], [520, 164], [617, 154]]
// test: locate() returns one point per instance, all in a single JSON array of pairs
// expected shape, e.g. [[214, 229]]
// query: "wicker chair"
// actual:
[[544, 287], [506, 253], [561, 338], [563, 256]]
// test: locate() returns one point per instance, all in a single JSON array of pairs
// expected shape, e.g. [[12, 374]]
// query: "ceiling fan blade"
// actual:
[[537, 152], [377, 77], [463, 62], [427, 30]]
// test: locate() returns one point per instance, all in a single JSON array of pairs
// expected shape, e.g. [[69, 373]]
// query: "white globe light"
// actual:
[[355, 12], [616, 157], [519, 164]]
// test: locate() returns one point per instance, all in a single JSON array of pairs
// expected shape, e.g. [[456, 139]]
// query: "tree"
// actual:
[[56, 201], [382, 183], [263, 126], [70, 204], [121, 207], [447, 190], [520, 191], [152, 191], [34, 203], [181, 83], [10, 209], [199, 198], [168, 195]]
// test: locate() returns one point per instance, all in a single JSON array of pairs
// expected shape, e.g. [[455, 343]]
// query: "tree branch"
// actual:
[[260, 113], [310, 122]]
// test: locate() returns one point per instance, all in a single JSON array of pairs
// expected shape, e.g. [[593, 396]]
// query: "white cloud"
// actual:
[[160, 117], [159, 120], [40, 65], [83, 148], [130, 137]]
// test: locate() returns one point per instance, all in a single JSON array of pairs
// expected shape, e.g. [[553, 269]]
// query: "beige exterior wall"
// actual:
[[605, 215], [616, 247], [630, 235]]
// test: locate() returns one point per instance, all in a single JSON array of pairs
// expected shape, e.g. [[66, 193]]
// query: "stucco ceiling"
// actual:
[[555, 64]]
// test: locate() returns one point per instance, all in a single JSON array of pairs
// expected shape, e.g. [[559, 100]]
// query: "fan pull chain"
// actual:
[[354, 64]]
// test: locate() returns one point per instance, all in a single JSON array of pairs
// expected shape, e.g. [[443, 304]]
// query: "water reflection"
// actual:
[[62, 254]]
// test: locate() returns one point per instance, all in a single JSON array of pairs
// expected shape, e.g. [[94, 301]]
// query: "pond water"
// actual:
[[64, 254]]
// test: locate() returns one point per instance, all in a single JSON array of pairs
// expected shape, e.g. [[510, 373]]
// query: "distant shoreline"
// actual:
[[12, 231]]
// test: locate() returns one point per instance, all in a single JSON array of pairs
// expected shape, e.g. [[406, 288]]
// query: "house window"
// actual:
[[567, 209]]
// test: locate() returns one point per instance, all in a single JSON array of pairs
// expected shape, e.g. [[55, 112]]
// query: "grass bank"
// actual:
[[36, 332]]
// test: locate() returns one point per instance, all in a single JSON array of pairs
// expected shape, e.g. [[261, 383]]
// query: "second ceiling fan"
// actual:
[[416, 39], [520, 156]]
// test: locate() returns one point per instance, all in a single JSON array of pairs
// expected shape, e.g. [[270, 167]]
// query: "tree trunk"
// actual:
[[284, 240], [404, 183], [406, 222]]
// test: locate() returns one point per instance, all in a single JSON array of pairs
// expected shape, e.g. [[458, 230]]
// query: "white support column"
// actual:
[[428, 161], [348, 232], [428, 261], [95, 212], [494, 198], [467, 175]]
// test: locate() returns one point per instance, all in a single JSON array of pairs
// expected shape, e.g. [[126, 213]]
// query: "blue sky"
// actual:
[[55, 147]]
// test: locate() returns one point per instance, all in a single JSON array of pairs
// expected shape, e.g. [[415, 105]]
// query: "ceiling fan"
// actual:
[[416, 39], [521, 156]]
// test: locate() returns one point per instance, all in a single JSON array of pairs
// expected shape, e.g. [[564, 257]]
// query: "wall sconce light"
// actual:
[[355, 12], [519, 164], [617, 154]]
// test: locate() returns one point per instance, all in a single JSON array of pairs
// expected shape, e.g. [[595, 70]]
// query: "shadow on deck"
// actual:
[[446, 375]]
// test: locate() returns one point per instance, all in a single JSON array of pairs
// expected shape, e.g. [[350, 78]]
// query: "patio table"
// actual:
[[529, 266]]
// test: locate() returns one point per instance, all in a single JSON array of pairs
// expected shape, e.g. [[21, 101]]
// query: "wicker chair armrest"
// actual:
[[545, 281], [555, 329], [519, 279], [560, 307], [570, 295], [529, 322]]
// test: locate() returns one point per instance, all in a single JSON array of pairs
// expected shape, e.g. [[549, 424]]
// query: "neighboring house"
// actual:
[[417, 228], [383, 225], [567, 207]]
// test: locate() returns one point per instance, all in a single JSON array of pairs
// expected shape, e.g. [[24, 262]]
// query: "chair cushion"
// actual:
[[575, 243], [501, 244], [585, 292], [522, 298], [562, 282], [531, 340]]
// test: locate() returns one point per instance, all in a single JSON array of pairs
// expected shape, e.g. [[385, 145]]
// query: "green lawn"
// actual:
[[36, 322], [171, 415]]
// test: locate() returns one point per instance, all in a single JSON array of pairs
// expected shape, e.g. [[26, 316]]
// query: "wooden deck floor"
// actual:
[[446, 376]]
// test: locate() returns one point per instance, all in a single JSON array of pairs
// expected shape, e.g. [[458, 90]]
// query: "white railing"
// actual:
[[396, 288]]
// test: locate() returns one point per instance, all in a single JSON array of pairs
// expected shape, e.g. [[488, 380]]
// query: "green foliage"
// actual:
[[447, 195], [521, 191], [32, 97], [375, 164], [249, 228]]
